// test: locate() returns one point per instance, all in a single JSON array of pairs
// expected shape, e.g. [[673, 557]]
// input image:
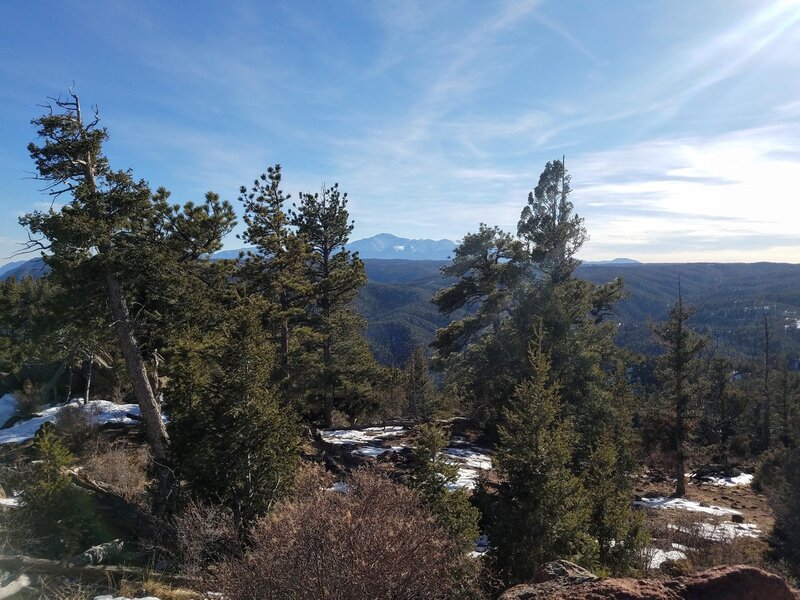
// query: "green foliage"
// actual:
[[552, 232], [234, 440], [55, 518], [338, 370], [431, 474], [277, 271], [541, 512], [420, 390], [678, 375], [619, 531], [505, 285], [114, 243], [780, 478]]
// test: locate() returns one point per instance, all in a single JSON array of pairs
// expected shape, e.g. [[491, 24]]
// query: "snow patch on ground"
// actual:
[[361, 436], [339, 486], [375, 451], [12, 502], [100, 412], [8, 408], [683, 504], [659, 556], [481, 546], [743, 479], [470, 463], [721, 532]]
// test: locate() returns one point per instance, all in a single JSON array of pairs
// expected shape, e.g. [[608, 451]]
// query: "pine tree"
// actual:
[[112, 240], [682, 347], [541, 512], [518, 292], [340, 369], [420, 390], [552, 232], [234, 440], [434, 477], [619, 531], [505, 286], [55, 518], [277, 270]]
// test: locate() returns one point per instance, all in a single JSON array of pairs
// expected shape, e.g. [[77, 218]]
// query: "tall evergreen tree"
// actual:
[[541, 512], [420, 390], [111, 238], [434, 477], [277, 270], [340, 373], [766, 401], [518, 292], [507, 284], [552, 232], [235, 441], [682, 347]]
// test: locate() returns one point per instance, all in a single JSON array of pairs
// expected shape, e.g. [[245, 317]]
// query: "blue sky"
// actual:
[[680, 119]]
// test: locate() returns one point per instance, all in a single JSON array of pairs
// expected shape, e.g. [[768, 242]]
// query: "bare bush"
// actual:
[[60, 588], [204, 534], [123, 468], [374, 541], [29, 398], [310, 479], [76, 427]]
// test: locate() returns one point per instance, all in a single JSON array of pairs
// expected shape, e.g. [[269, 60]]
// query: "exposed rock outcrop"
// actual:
[[560, 580]]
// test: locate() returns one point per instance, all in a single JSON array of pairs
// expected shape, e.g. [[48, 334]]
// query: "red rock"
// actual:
[[720, 583]]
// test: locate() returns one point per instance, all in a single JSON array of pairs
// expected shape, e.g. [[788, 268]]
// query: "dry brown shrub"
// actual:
[[29, 398], [60, 588], [374, 541], [123, 468], [204, 534], [310, 479], [76, 427]]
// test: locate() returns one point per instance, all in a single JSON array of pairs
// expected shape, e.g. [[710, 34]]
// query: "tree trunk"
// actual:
[[680, 457], [89, 370], [766, 426], [327, 383], [155, 432]]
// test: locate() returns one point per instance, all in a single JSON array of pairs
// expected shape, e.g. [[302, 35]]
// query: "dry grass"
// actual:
[[702, 539], [158, 590], [123, 468], [53, 588]]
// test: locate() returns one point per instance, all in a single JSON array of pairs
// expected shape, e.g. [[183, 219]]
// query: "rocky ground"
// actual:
[[561, 580]]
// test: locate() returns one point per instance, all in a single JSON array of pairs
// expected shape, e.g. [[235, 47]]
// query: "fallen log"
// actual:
[[98, 554], [114, 574]]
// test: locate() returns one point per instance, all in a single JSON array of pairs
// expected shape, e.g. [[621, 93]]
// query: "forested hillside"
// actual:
[[729, 300]]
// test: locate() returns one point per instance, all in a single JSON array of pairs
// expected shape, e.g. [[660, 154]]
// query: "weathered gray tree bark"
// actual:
[[155, 431]]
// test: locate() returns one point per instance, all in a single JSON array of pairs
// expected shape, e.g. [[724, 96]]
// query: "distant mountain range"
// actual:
[[11, 266], [383, 245], [386, 245]]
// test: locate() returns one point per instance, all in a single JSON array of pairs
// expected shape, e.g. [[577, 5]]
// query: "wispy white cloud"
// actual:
[[708, 197]]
